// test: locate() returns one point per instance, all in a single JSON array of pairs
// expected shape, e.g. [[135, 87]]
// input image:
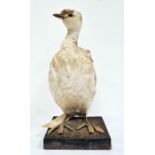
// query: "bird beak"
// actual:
[[57, 15]]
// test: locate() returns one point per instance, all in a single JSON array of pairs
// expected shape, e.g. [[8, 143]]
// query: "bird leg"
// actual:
[[91, 127], [62, 126]]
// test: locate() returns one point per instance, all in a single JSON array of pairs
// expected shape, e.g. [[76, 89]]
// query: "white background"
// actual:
[[102, 33], [138, 70]]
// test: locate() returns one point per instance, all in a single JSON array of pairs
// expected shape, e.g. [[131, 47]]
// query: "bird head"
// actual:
[[72, 19]]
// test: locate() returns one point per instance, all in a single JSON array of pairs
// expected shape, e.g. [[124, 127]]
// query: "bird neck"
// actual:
[[71, 38]]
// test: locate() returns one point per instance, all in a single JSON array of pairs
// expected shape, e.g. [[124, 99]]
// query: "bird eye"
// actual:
[[70, 15]]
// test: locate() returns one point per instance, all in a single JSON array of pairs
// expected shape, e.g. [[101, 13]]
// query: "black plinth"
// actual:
[[79, 139]]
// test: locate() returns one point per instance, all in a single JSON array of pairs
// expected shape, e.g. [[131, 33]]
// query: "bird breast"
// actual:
[[72, 80]]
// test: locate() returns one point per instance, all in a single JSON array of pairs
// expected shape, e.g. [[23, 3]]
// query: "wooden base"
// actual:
[[79, 139]]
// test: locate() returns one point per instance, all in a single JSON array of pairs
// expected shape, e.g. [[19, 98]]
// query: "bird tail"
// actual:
[[53, 124]]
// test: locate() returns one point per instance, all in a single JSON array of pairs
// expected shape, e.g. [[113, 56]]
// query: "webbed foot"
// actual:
[[91, 127], [60, 128]]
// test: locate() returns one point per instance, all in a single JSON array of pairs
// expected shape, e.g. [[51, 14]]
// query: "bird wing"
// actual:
[[87, 54]]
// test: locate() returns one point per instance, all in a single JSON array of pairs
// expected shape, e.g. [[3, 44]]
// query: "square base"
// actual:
[[79, 139]]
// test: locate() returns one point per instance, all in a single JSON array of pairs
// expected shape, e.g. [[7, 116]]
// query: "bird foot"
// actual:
[[62, 126], [91, 127]]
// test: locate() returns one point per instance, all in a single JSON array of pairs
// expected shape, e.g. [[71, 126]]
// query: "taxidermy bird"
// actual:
[[72, 77]]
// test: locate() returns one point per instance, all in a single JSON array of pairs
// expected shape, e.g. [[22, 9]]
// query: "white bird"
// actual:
[[72, 77]]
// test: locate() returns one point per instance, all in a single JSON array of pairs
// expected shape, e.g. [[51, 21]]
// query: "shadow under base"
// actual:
[[79, 139]]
